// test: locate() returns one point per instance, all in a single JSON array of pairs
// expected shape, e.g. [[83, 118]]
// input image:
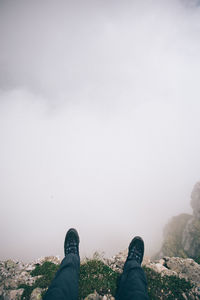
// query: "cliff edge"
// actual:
[[168, 278]]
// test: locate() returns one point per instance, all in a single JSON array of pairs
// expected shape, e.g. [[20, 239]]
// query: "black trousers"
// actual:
[[132, 284]]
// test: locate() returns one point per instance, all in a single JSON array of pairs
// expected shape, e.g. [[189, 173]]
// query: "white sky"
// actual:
[[99, 122]]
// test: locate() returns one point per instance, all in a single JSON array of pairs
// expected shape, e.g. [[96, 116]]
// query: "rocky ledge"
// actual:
[[15, 276]]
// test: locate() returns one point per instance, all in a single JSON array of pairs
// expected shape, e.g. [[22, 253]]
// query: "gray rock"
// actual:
[[117, 262], [108, 297], [30, 267], [36, 294], [10, 264], [54, 259], [13, 294], [94, 296], [186, 268], [10, 284]]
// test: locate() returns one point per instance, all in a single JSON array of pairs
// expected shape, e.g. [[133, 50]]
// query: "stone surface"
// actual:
[[117, 262], [94, 296], [13, 294], [187, 268], [14, 273], [54, 259], [36, 294]]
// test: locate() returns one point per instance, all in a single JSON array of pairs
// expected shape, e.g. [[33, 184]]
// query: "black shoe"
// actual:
[[71, 244], [136, 250]]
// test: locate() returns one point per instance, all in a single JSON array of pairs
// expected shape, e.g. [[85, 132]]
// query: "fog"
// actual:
[[99, 122]]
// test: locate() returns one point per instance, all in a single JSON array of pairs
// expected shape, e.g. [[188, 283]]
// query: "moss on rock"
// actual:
[[96, 276], [166, 287], [46, 271]]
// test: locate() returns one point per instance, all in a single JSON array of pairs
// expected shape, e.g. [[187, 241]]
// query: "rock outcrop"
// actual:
[[182, 234], [159, 274], [15, 274], [174, 268]]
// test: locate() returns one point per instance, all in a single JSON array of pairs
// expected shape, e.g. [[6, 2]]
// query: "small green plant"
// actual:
[[47, 272], [96, 276], [27, 291]]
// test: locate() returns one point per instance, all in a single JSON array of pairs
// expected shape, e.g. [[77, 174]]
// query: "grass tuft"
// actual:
[[96, 276]]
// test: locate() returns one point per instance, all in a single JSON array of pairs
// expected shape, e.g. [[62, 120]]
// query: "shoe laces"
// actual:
[[135, 254], [72, 247]]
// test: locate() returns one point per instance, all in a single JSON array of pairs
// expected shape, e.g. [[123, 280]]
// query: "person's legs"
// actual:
[[65, 283], [133, 283]]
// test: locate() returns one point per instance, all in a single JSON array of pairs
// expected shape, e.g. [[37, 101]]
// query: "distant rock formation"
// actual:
[[182, 233], [191, 233]]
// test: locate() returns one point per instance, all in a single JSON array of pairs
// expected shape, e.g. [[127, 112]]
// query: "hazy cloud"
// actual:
[[99, 121]]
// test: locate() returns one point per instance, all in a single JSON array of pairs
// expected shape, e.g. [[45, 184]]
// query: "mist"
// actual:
[[99, 122]]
